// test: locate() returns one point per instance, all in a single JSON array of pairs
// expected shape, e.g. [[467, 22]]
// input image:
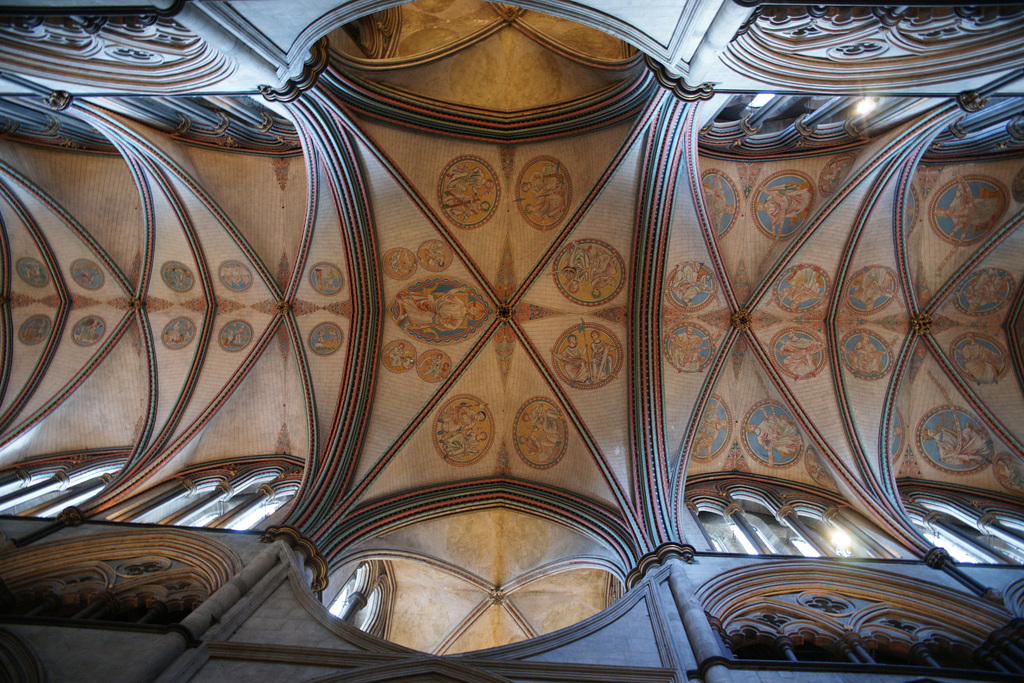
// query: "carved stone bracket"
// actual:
[[311, 71], [312, 558], [71, 516], [937, 558], [662, 554], [58, 100], [971, 100], [678, 86]]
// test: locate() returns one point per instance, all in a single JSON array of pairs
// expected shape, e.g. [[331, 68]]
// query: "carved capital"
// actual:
[[678, 86], [136, 304], [312, 558], [284, 307], [58, 100]]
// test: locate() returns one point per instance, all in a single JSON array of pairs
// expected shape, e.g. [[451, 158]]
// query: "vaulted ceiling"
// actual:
[[489, 267]]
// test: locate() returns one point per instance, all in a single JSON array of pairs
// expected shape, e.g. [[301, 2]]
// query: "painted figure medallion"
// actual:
[[799, 352], [689, 348], [433, 366], [691, 285], [177, 276], [771, 434], [967, 208], [540, 433], [33, 272], [86, 273], [463, 430], [783, 204], [720, 199], [1018, 186], [713, 432], [325, 339], [399, 263], [871, 288], [326, 278], [587, 356], [34, 330], [589, 272], [896, 436], [439, 311], [467, 192], [544, 192], [954, 440], [985, 291], [833, 173], [801, 288], [980, 357], [398, 356], [235, 335], [178, 333], [434, 255], [88, 330], [1009, 471], [866, 355], [235, 276]]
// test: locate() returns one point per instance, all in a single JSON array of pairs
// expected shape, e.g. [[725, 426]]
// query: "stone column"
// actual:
[[787, 514], [703, 641], [735, 513]]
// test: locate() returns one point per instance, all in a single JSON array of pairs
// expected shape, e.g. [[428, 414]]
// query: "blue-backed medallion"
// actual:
[[798, 352], [177, 276], [34, 330], [966, 208], [871, 288], [236, 335], [771, 434], [439, 311], [954, 440], [325, 339], [802, 288], [713, 432], [235, 276], [783, 204], [979, 357], [178, 333], [985, 291], [720, 200], [86, 273], [33, 272], [689, 348], [866, 355], [88, 330], [326, 278]]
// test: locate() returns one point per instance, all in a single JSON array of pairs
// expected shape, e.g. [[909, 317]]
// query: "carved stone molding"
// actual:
[[311, 71], [658, 557], [678, 86]]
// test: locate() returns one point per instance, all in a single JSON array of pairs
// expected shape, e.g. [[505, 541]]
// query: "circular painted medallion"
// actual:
[[86, 273], [965, 209], [896, 436], [33, 272], [980, 357], [235, 335], [801, 288], [399, 263], [871, 288], [178, 333], [544, 192], [954, 440], [798, 352], [540, 433], [589, 272], [433, 366], [463, 430], [833, 173], [783, 204], [985, 291], [819, 470], [325, 339], [689, 348], [177, 276], [587, 356], [439, 311], [467, 191], [1018, 186], [326, 278], [88, 330], [235, 276], [691, 285], [866, 355], [34, 330], [398, 356], [771, 435], [434, 255], [713, 432], [1009, 471], [720, 200]]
